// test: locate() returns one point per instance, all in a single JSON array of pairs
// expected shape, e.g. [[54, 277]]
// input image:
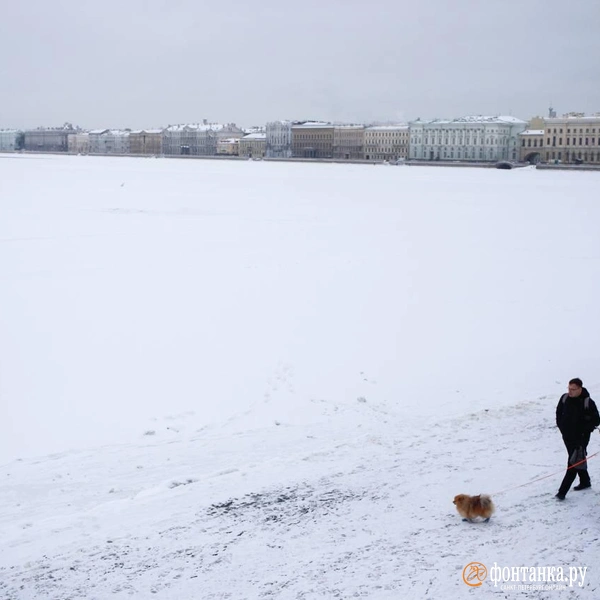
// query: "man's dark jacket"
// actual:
[[573, 419]]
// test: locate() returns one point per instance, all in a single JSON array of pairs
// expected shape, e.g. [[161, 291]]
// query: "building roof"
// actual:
[[386, 127], [201, 127], [52, 130], [573, 118], [532, 132], [255, 136], [312, 125], [138, 131], [193, 127], [113, 132], [497, 119], [500, 120]]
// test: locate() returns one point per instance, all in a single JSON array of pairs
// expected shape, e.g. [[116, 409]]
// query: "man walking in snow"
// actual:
[[576, 417]]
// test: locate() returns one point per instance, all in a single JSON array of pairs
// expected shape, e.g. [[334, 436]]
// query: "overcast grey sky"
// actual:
[[150, 63]]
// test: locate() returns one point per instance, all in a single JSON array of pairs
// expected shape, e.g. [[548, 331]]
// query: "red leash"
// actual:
[[550, 475]]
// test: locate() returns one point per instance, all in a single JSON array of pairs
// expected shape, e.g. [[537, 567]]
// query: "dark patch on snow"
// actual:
[[286, 506], [175, 484]]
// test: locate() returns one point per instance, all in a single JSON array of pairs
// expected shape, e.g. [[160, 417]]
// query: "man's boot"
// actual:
[[584, 480]]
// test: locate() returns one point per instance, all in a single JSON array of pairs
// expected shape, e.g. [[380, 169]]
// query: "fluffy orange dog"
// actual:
[[470, 507]]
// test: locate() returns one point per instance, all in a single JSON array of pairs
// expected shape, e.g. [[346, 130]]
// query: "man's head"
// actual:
[[575, 386]]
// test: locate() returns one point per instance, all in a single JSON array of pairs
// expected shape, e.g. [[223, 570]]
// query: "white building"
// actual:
[[8, 140], [79, 143], [386, 142], [198, 139], [178, 140], [109, 141], [47, 140], [224, 132], [477, 139], [279, 139]]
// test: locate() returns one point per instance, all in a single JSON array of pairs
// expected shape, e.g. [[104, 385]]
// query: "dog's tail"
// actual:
[[486, 502]]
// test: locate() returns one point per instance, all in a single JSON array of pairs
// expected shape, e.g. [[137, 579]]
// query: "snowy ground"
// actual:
[[251, 380]]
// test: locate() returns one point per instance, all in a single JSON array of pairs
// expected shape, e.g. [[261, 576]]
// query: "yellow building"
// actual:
[[531, 146], [572, 139], [386, 142], [146, 141], [253, 145], [312, 140], [228, 147]]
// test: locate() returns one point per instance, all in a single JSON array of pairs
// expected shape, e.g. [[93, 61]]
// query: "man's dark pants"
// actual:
[[584, 477]]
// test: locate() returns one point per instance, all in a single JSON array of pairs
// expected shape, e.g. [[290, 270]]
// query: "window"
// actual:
[[568, 140], [587, 141]]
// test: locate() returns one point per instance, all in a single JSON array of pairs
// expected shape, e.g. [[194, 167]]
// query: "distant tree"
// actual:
[[20, 141]]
